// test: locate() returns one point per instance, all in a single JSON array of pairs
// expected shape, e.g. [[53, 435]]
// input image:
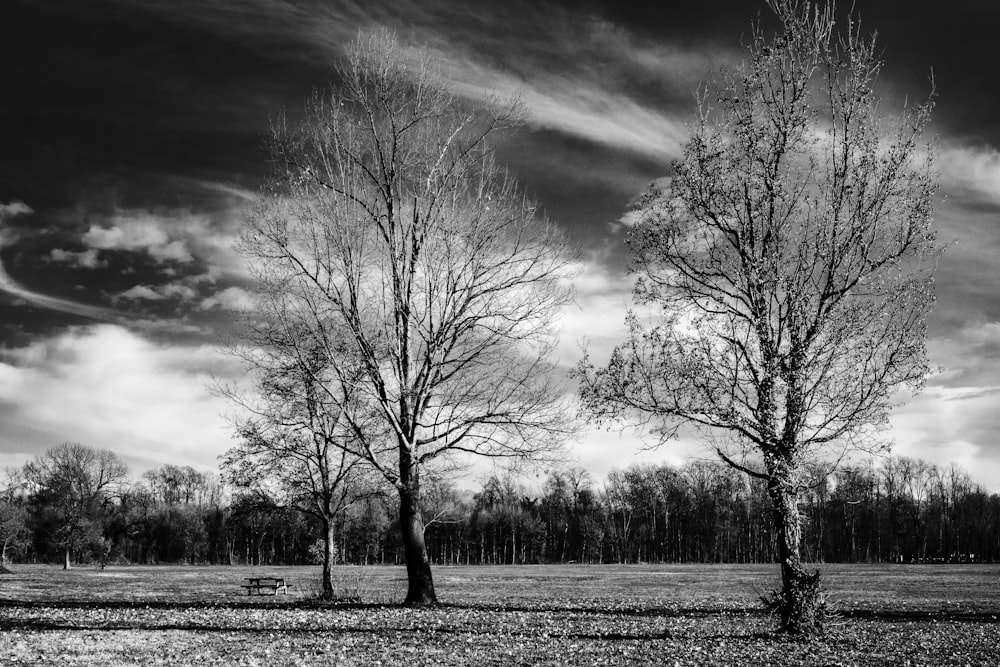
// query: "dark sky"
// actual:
[[132, 134]]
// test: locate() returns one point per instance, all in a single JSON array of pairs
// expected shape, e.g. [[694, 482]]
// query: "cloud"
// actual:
[[971, 170], [597, 316], [188, 250], [952, 425], [599, 451], [158, 293], [968, 355], [231, 298], [138, 232], [13, 209], [232, 192], [586, 111], [179, 236], [106, 386], [7, 212], [9, 285], [87, 259], [575, 74], [141, 292], [177, 291]]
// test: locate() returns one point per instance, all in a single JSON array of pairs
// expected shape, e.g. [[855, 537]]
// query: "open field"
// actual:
[[578, 614]]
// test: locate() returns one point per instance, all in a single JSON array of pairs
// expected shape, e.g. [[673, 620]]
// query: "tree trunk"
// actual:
[[799, 603], [66, 559], [329, 557], [420, 589]]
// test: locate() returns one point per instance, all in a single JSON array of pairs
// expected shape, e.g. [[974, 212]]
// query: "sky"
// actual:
[[131, 138]]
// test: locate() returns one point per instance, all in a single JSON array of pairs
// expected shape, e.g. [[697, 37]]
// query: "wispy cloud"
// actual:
[[9, 285], [179, 254], [574, 72], [586, 111]]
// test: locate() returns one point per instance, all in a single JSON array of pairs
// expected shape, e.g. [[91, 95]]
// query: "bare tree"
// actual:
[[14, 530], [183, 485], [790, 259], [409, 258], [294, 444], [75, 481]]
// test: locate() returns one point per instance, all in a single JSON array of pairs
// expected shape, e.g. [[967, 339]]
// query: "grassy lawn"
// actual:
[[578, 614]]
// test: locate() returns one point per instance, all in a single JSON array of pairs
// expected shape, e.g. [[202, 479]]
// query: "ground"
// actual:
[[511, 615]]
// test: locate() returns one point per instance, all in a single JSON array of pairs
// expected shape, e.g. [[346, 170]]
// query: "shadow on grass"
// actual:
[[9, 619], [274, 603], [884, 615], [283, 603], [372, 629], [907, 615]]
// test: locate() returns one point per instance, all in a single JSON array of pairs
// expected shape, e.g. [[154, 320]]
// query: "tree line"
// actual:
[[75, 504]]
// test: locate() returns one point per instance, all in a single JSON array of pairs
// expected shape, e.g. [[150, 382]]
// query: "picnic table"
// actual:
[[265, 585]]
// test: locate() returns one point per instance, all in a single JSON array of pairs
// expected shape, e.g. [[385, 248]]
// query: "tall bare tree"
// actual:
[[75, 482], [789, 263], [408, 256]]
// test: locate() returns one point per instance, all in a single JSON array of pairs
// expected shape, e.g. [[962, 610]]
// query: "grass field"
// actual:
[[514, 615]]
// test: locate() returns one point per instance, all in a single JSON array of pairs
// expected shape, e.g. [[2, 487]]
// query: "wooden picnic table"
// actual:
[[265, 585]]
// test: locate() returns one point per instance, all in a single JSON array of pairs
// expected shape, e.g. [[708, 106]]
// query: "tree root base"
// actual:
[[801, 607]]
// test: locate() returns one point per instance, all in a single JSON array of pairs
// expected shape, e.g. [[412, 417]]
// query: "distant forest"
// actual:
[[894, 510]]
